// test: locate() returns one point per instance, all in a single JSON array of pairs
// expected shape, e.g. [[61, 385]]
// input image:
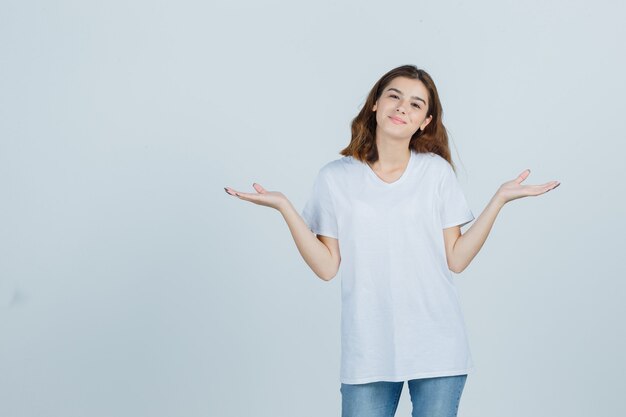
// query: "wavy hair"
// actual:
[[434, 138]]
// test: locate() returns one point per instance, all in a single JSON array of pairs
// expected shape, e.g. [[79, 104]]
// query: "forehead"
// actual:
[[409, 87]]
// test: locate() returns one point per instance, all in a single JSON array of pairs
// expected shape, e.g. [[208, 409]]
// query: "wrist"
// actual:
[[285, 206], [498, 200]]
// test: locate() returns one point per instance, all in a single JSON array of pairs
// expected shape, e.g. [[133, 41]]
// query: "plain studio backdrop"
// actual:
[[131, 284]]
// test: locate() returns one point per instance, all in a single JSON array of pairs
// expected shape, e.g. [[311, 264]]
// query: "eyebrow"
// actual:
[[415, 97]]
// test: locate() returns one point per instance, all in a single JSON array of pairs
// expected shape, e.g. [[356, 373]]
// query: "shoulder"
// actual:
[[337, 168], [437, 160], [435, 164]]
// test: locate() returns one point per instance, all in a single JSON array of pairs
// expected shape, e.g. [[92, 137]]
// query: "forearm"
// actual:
[[469, 243], [315, 253]]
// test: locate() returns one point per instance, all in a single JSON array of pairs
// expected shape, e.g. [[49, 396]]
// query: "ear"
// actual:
[[426, 122], [374, 108]]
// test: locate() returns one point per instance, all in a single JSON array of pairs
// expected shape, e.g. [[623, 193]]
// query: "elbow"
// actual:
[[457, 269], [455, 265], [328, 276]]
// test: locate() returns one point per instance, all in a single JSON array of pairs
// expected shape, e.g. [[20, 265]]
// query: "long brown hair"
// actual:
[[434, 138]]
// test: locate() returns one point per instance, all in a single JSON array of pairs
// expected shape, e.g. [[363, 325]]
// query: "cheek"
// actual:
[[419, 117]]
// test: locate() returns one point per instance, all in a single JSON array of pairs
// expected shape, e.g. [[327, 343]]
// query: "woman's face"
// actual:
[[402, 108]]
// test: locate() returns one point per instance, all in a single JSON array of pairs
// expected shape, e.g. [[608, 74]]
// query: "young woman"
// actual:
[[394, 206]]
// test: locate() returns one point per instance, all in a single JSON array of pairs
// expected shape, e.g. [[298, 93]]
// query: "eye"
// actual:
[[414, 104]]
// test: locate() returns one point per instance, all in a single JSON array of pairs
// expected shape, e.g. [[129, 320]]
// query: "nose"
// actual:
[[400, 107]]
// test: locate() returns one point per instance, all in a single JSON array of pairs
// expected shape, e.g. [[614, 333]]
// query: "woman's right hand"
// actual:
[[324, 260], [274, 199]]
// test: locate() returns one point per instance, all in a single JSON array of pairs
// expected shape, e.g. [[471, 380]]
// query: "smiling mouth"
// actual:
[[397, 121]]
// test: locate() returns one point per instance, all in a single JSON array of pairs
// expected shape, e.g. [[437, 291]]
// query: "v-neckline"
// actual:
[[402, 177]]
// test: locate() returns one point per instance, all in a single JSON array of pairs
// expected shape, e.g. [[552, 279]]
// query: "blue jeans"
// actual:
[[431, 397]]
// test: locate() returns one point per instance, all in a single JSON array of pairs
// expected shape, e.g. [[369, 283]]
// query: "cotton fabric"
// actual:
[[400, 311]]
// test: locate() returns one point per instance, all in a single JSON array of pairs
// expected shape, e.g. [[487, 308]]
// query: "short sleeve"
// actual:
[[453, 206], [319, 210]]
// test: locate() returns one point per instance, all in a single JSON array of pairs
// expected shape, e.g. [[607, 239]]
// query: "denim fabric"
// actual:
[[431, 397]]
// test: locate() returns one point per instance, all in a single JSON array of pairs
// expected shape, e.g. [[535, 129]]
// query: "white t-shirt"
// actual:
[[400, 318]]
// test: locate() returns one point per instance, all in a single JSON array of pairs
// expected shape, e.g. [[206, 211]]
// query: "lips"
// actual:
[[397, 120]]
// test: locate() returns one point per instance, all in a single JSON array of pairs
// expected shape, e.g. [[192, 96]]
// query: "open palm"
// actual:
[[514, 189], [274, 199]]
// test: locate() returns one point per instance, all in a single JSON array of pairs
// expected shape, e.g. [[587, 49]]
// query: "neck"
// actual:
[[392, 153]]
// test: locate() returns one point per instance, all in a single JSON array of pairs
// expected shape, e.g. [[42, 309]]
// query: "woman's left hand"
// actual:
[[512, 190]]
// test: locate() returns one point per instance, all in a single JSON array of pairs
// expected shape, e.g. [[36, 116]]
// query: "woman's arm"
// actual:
[[321, 254], [461, 249]]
